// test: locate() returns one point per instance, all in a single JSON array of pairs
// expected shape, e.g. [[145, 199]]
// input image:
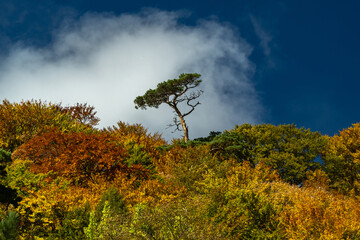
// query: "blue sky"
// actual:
[[276, 62]]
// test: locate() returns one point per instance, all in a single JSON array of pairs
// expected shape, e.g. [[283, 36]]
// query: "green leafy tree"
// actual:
[[228, 144], [289, 150], [342, 160], [73, 223], [5, 160], [173, 92]]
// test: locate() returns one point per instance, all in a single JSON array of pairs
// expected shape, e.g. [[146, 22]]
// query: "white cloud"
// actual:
[[264, 37], [108, 60]]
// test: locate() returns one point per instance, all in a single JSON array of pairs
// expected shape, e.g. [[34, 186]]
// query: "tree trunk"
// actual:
[[182, 121], [185, 129]]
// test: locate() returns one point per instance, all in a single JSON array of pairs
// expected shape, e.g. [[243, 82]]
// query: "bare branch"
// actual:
[[176, 124], [193, 96], [192, 108]]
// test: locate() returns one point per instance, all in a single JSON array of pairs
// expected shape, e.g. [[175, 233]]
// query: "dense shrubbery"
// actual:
[[61, 178]]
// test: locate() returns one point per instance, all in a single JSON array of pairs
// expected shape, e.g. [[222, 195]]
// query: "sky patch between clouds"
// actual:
[[107, 60]]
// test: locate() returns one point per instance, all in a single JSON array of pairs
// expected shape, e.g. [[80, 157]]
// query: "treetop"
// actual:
[[168, 91]]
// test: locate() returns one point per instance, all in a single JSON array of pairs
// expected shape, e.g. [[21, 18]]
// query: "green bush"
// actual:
[[73, 224], [5, 160], [179, 219], [109, 220], [9, 226]]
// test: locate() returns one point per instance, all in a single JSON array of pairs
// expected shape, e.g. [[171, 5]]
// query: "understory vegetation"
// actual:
[[62, 178]]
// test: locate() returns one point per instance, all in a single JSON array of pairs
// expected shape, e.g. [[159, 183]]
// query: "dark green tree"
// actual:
[[115, 201], [7, 195], [9, 226], [342, 160], [5, 160], [173, 92]]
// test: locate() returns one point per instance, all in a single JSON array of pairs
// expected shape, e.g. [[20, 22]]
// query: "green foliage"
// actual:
[[191, 143], [90, 230], [5, 156], [9, 226], [115, 201], [20, 178], [180, 219], [166, 90], [290, 150], [138, 155], [240, 184], [228, 145], [254, 216], [106, 222], [190, 165], [342, 160], [5, 160], [73, 223], [173, 92], [351, 234], [110, 225], [139, 226], [209, 138], [239, 205]]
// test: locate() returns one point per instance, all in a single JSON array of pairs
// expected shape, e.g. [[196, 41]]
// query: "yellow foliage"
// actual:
[[311, 213], [19, 122], [342, 160], [137, 134]]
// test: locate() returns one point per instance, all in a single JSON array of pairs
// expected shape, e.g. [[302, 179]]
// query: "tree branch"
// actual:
[[176, 124], [192, 108]]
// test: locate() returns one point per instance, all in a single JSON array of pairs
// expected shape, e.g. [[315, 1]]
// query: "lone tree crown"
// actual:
[[172, 92]]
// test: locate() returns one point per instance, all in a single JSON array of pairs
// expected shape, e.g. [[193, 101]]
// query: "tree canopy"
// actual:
[[61, 178], [19, 122], [172, 92], [342, 160], [290, 150]]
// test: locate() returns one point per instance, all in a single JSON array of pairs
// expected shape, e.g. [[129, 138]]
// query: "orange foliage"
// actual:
[[314, 213], [78, 156], [137, 134], [95, 161], [19, 122], [57, 170], [82, 113]]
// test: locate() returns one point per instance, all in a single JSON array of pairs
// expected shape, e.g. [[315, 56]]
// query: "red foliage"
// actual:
[[78, 156]]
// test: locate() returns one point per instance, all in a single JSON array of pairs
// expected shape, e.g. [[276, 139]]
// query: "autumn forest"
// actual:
[[63, 178]]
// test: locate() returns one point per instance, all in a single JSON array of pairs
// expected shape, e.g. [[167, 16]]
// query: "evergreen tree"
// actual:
[[173, 92], [9, 227]]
